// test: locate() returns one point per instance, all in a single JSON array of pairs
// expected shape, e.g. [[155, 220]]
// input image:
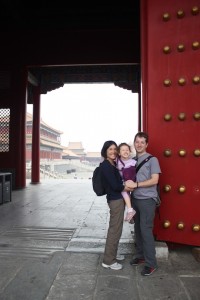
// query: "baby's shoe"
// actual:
[[130, 214]]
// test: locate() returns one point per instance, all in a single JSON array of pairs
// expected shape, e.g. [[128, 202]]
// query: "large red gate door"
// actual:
[[170, 43]]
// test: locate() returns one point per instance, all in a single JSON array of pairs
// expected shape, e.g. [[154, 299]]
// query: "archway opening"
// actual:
[[84, 117]]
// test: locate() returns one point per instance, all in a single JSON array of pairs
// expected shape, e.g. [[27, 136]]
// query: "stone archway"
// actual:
[[51, 78]]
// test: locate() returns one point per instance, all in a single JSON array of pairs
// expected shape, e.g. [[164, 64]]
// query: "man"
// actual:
[[143, 201]]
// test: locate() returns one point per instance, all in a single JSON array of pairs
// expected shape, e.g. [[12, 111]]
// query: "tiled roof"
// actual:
[[46, 125], [45, 143], [93, 154], [69, 152], [51, 144], [75, 145], [29, 117]]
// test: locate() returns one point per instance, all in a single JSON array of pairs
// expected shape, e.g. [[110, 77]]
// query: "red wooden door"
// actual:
[[170, 43]]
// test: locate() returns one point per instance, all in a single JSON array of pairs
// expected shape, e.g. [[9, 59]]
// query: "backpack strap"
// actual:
[[119, 159], [143, 162]]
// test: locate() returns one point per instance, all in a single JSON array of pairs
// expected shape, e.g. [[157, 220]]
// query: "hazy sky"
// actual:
[[91, 114]]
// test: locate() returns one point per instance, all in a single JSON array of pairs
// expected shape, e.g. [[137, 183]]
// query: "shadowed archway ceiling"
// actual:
[[25, 17], [71, 15]]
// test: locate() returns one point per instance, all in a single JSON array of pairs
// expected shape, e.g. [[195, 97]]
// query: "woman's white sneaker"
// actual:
[[115, 266]]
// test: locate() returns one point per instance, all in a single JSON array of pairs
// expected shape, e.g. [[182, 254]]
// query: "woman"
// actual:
[[114, 186]]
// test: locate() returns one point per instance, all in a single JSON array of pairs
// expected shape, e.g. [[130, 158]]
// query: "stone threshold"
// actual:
[[95, 245]]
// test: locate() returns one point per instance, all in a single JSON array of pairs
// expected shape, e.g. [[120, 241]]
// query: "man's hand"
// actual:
[[127, 189], [131, 184]]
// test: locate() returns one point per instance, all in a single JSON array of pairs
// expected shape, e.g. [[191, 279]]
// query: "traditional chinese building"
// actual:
[[77, 148], [93, 157], [50, 140]]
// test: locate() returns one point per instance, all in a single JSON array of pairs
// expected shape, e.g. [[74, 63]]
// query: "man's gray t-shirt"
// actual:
[[144, 173]]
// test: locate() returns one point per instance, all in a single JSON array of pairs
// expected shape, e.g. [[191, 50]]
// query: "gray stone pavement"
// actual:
[[52, 238]]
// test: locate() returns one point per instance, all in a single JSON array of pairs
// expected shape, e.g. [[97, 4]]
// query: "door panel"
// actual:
[[171, 112]]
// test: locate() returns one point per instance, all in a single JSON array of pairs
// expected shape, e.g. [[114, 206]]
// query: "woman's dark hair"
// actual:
[[123, 144], [142, 135], [105, 147]]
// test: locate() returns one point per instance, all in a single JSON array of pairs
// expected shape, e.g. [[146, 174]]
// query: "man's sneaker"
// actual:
[[137, 261], [147, 271], [115, 266], [120, 257]]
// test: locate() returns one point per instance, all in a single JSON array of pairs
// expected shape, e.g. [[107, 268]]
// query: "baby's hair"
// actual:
[[123, 144]]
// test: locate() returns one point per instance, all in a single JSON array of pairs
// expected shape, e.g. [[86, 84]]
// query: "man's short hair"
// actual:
[[142, 134]]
